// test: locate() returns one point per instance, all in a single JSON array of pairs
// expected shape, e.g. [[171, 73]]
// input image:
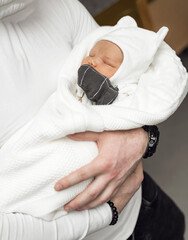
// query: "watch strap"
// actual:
[[153, 134]]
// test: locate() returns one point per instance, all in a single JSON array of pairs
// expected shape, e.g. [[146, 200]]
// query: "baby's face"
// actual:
[[106, 57]]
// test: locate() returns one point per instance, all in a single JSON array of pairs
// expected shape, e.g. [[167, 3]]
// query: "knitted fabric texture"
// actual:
[[40, 153]]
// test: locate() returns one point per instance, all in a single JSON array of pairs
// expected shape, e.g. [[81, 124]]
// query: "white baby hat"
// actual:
[[139, 47]]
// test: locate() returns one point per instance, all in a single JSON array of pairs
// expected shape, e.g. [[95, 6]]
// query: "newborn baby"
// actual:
[[102, 63], [115, 63], [40, 153]]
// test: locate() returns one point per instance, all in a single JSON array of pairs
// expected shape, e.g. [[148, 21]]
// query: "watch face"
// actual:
[[152, 141]]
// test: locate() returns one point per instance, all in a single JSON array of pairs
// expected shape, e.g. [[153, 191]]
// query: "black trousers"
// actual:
[[159, 218]]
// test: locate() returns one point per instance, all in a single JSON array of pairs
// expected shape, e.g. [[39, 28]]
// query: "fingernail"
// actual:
[[59, 187], [68, 209]]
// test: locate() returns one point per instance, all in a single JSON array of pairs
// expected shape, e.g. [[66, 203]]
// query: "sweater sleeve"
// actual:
[[75, 225], [81, 23], [81, 224]]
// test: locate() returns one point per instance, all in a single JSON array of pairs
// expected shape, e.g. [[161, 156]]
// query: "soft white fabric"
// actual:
[[32, 53], [42, 145], [15, 10], [143, 99], [24, 227], [74, 226]]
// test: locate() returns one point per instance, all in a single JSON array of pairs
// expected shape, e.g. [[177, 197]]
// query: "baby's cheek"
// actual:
[[106, 71], [112, 72]]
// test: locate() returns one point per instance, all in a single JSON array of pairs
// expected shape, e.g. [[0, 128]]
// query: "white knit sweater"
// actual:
[[39, 154]]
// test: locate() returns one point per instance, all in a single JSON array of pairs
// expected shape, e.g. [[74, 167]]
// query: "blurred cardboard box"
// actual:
[[174, 15], [153, 14]]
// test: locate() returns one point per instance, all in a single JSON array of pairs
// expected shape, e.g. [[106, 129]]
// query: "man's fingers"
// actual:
[[88, 171], [120, 194], [85, 136], [104, 197], [89, 194]]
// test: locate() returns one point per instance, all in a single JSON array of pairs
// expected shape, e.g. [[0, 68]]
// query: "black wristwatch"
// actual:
[[153, 134]]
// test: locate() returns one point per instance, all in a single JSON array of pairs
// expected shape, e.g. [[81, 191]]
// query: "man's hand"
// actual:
[[119, 155], [128, 188]]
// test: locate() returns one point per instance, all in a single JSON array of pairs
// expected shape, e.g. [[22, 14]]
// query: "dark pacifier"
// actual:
[[96, 86]]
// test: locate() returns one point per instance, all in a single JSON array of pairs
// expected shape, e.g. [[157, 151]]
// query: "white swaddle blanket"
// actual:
[[39, 154]]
